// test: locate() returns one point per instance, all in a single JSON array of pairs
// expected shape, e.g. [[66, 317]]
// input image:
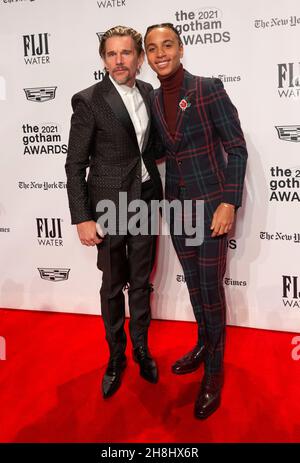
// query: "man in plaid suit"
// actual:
[[196, 121]]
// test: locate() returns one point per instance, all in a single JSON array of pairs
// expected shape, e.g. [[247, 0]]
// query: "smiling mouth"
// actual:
[[162, 64]]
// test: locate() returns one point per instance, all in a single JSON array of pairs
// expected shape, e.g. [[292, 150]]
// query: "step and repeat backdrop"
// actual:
[[49, 51]]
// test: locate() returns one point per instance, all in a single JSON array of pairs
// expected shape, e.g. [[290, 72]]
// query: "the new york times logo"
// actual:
[[290, 291], [289, 80], [49, 231], [36, 48]]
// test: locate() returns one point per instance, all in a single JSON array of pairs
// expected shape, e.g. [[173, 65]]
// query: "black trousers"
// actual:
[[127, 260]]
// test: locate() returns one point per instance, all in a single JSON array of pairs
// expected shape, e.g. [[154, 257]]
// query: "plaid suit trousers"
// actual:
[[204, 268]]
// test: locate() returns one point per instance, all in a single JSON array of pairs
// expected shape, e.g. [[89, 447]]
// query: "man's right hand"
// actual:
[[88, 234]]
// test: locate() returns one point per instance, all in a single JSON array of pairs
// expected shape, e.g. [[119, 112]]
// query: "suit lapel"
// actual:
[[187, 93], [115, 101], [145, 97], [158, 108]]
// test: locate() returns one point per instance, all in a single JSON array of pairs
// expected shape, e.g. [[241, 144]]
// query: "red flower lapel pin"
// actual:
[[184, 104]]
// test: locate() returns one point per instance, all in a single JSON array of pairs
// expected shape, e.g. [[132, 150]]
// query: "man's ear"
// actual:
[[141, 58], [103, 64]]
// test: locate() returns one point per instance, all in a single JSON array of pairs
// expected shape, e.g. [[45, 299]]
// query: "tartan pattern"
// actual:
[[204, 131], [204, 268], [207, 128]]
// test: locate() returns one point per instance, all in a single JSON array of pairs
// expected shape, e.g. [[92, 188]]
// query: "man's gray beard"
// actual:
[[121, 81]]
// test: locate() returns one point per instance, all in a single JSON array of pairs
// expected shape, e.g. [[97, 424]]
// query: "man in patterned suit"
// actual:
[[196, 120], [111, 134]]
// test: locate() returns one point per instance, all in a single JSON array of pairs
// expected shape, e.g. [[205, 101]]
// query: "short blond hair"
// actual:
[[122, 31]]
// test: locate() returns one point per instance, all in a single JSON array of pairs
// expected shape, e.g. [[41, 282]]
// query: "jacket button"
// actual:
[[179, 163]]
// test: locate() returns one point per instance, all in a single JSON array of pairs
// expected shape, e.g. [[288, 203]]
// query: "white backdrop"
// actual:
[[50, 49]]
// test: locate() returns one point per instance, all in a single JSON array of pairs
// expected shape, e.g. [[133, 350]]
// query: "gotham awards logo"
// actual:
[[201, 27], [284, 184], [43, 138], [36, 48]]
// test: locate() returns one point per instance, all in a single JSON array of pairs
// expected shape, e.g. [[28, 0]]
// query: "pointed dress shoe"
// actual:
[[209, 396], [189, 362], [148, 368], [112, 377]]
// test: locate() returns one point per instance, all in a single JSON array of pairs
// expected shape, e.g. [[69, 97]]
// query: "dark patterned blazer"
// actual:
[[103, 139], [204, 130]]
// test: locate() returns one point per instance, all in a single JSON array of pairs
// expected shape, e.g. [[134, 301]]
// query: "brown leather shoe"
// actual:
[[209, 396], [189, 362]]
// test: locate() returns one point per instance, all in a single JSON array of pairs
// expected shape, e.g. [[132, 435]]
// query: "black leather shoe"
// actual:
[[189, 362], [112, 377], [209, 396], [148, 368]]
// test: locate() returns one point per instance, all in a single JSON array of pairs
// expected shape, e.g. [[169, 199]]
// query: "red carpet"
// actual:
[[50, 385]]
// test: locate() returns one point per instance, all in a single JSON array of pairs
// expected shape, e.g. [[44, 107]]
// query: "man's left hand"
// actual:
[[223, 219]]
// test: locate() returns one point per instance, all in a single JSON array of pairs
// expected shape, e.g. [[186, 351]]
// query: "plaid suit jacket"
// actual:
[[204, 130]]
